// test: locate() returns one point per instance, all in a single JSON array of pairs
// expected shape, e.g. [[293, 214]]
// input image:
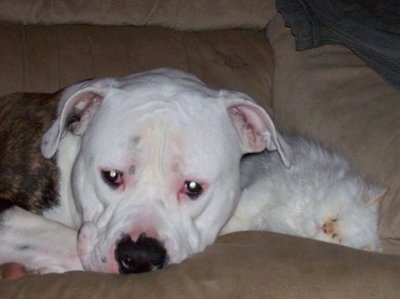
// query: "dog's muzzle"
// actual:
[[144, 255]]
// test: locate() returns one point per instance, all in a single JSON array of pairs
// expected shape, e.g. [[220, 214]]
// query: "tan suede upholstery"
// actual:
[[326, 93], [183, 15], [47, 58], [240, 265]]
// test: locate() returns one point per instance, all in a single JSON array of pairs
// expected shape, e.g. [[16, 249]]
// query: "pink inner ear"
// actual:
[[256, 130], [85, 106], [250, 127]]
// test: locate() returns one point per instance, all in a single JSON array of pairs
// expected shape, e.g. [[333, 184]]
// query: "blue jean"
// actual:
[[370, 28]]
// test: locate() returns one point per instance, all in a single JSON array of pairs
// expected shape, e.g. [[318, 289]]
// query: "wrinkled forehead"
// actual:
[[193, 119], [162, 90], [163, 95], [163, 82], [178, 106]]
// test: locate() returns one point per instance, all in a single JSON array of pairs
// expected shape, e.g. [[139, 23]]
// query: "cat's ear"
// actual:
[[377, 199], [371, 194]]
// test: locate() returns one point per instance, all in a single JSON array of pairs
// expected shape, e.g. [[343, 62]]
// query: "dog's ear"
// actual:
[[76, 108], [256, 129]]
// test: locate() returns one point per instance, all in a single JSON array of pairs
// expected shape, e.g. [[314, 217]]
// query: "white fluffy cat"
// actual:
[[319, 197]]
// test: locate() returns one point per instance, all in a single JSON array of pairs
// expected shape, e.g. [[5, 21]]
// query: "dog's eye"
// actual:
[[193, 189], [112, 177]]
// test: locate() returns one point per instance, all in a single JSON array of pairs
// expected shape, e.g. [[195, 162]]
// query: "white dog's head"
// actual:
[[155, 171]]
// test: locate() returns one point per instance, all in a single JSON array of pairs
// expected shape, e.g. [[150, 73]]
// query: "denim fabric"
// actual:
[[370, 28]]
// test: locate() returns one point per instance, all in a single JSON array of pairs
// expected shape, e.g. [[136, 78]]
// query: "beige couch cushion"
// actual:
[[240, 265], [46, 58], [332, 95], [184, 15]]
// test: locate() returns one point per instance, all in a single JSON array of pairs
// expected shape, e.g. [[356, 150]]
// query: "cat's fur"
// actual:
[[319, 197]]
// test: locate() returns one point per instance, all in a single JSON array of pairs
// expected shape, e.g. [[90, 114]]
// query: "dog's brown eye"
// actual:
[[193, 189], [112, 177]]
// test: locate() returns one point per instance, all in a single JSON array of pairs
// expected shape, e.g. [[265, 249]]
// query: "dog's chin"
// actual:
[[94, 261], [90, 255], [108, 266]]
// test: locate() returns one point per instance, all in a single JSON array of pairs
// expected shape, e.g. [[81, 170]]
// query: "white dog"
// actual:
[[148, 174]]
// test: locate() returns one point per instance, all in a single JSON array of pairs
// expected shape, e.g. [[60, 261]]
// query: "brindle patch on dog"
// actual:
[[26, 178]]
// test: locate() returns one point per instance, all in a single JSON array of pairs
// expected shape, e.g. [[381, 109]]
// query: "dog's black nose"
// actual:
[[144, 255]]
